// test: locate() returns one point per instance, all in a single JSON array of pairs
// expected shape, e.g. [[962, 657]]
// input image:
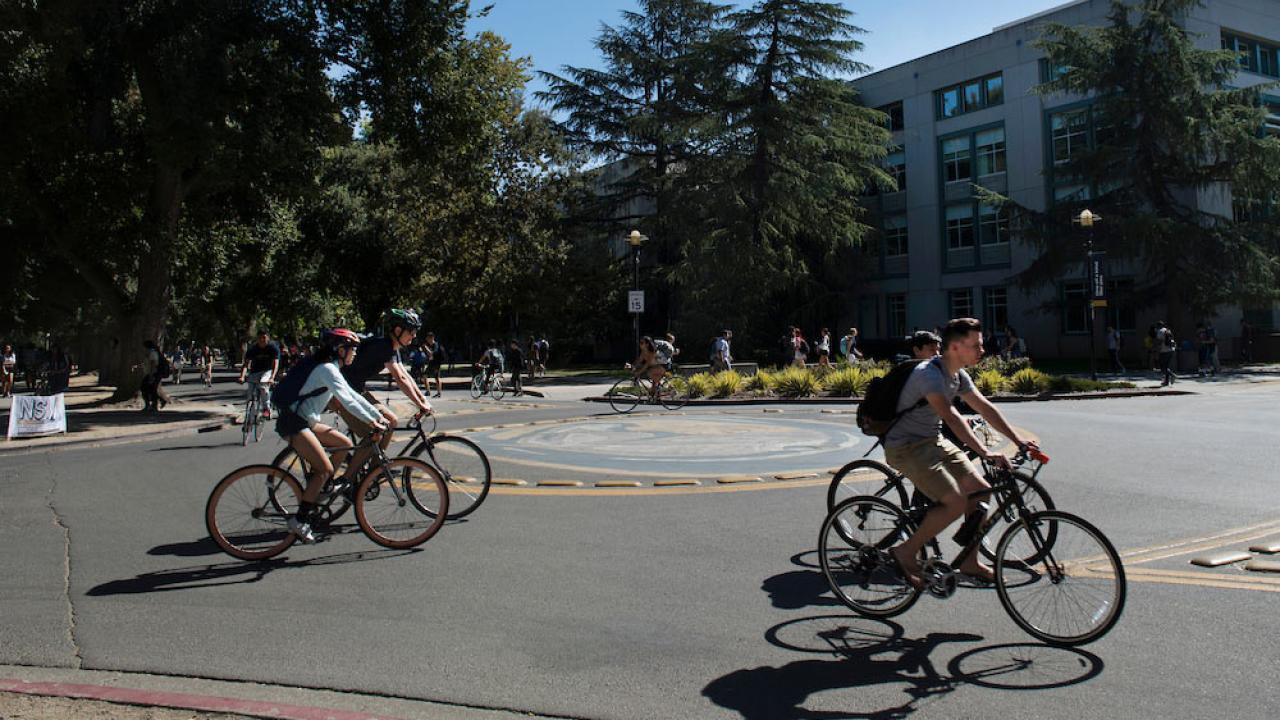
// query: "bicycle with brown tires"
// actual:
[[399, 503]]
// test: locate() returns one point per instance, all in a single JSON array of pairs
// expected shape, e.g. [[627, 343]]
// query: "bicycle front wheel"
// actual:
[[625, 395], [1036, 499], [250, 421], [673, 392], [248, 512], [389, 499], [498, 388], [868, 477], [1074, 592], [853, 548], [466, 472]]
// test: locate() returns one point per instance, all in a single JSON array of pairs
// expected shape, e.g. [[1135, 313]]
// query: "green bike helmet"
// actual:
[[406, 319]]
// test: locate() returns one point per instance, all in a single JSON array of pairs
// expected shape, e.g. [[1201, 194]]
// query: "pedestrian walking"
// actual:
[[1114, 342], [721, 356], [799, 348], [516, 363], [154, 366], [1166, 344], [435, 358], [1210, 346], [8, 370], [1246, 341], [849, 346], [824, 349]]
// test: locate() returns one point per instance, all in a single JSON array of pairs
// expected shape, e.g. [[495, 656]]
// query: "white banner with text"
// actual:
[[37, 415]]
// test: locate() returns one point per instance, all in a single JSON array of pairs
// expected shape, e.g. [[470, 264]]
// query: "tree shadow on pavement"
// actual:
[[870, 652], [231, 573]]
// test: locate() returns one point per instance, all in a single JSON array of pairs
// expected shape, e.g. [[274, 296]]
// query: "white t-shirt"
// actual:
[[10, 361]]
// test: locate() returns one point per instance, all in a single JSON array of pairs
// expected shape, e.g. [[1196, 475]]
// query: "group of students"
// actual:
[[796, 350], [516, 360], [31, 362]]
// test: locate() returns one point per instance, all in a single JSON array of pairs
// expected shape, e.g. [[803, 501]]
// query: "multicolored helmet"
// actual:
[[407, 319], [339, 337]]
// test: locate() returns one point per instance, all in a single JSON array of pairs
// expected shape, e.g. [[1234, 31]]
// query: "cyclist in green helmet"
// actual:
[[377, 354]]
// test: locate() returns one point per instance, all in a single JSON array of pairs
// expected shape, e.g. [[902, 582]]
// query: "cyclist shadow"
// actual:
[[871, 652], [206, 546], [231, 573]]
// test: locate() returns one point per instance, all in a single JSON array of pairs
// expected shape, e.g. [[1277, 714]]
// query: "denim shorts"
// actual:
[[290, 423]]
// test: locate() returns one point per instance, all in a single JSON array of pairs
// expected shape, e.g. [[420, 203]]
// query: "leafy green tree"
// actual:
[[799, 148], [1173, 141], [655, 105]]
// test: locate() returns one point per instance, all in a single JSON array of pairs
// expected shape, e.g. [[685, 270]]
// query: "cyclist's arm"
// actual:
[[408, 386], [328, 375], [994, 417], [947, 412]]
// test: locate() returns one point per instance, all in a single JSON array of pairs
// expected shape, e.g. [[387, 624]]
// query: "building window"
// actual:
[[959, 227], [995, 308], [895, 236], [955, 159], [1070, 134], [960, 303], [896, 165], [1256, 56], [1121, 313], [895, 119], [993, 225], [991, 153], [1050, 73], [1075, 307], [896, 310], [1070, 193], [970, 95]]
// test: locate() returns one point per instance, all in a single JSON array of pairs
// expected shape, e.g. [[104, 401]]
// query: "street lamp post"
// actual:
[[1097, 284], [635, 240]]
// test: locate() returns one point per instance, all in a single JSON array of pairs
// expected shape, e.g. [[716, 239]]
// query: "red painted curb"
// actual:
[[182, 701]]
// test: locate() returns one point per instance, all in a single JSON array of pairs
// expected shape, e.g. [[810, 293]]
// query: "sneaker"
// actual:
[[266, 413], [302, 530]]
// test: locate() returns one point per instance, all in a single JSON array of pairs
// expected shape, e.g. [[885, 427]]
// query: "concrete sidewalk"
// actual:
[[93, 420]]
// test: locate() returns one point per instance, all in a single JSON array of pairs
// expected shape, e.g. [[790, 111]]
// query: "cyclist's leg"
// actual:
[[928, 464], [311, 450], [359, 429]]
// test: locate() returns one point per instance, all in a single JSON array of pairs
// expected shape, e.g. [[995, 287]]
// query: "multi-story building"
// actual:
[[967, 115]]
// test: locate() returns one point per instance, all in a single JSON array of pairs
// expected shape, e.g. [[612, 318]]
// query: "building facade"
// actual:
[[967, 115]]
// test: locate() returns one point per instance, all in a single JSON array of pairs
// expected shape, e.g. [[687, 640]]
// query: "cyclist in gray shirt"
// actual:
[[916, 448]]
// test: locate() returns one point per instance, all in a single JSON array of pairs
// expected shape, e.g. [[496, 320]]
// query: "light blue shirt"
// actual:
[[326, 376]]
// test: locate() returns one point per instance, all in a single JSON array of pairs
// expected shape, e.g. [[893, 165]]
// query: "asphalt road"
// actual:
[[595, 603]]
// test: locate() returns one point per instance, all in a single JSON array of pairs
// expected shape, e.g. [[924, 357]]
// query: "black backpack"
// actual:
[[288, 392], [878, 410], [164, 368]]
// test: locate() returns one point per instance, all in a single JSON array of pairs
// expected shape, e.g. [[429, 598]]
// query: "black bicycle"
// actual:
[[1059, 578], [463, 464], [247, 513]]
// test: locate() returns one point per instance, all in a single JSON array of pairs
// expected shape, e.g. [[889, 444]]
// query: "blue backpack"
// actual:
[[287, 393]]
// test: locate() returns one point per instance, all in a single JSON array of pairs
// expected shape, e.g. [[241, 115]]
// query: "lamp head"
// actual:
[[1087, 218], [635, 239]]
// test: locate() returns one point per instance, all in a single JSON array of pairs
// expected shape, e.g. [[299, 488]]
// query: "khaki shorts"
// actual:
[[358, 426], [934, 465]]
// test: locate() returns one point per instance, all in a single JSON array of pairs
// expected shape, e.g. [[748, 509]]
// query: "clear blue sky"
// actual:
[[561, 32]]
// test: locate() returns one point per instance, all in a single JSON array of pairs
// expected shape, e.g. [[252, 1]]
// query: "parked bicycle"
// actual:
[[670, 392], [399, 503], [1057, 576], [463, 465], [493, 385]]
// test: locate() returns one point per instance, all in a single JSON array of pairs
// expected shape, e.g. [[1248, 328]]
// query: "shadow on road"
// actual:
[[874, 652], [229, 573]]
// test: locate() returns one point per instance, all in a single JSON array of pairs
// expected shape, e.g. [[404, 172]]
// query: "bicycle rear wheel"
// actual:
[[673, 392], [477, 386], [625, 395], [248, 512], [389, 498], [466, 472], [868, 477], [1074, 592], [853, 548], [1036, 498]]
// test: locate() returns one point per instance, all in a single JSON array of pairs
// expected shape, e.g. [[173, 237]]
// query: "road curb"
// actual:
[[186, 427], [854, 400]]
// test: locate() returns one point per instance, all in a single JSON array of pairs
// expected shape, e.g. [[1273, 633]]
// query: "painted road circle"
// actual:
[[676, 445]]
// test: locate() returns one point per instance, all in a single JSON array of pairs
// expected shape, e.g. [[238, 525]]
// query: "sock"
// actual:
[[305, 510]]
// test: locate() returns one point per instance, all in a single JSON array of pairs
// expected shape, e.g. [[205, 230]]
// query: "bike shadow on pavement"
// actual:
[[232, 573], [798, 589], [863, 652]]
